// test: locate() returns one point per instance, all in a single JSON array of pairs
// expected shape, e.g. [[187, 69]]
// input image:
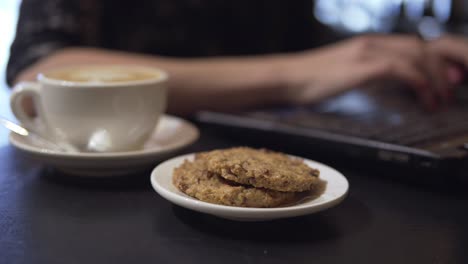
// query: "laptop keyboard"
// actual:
[[388, 115]]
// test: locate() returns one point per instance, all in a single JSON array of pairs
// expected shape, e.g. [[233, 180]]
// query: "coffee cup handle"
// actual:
[[22, 91]]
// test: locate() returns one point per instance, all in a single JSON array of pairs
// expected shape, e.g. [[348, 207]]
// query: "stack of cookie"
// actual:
[[245, 177]]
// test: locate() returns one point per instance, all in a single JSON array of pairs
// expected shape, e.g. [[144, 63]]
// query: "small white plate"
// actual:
[[171, 135], [335, 191]]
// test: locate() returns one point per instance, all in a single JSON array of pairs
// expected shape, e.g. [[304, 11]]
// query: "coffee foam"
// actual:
[[103, 74]]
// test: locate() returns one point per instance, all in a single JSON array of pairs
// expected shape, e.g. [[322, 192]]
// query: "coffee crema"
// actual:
[[103, 74]]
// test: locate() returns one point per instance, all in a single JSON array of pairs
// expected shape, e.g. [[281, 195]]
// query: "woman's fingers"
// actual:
[[455, 74], [437, 68], [453, 48], [427, 67], [413, 55], [393, 67]]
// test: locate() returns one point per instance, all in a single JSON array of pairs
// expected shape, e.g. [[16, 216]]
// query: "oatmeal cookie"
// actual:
[[193, 179], [262, 169]]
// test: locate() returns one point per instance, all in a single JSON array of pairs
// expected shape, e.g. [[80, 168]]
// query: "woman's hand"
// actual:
[[430, 69]]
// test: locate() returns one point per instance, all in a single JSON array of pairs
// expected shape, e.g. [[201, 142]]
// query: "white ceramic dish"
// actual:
[[171, 135], [335, 191]]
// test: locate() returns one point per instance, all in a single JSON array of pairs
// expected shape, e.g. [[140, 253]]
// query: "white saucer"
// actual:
[[335, 191], [171, 135]]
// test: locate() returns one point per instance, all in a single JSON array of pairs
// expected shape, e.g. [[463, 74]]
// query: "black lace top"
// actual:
[[182, 28]]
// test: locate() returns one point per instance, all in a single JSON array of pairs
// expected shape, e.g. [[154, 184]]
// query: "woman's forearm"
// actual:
[[301, 78], [195, 84]]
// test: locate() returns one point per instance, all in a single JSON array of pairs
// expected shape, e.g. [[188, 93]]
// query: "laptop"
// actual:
[[384, 124]]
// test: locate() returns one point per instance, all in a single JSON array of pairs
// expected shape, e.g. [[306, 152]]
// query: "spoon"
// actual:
[[19, 130]]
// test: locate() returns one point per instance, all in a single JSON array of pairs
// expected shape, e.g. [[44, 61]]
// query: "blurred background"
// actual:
[[428, 18], [8, 17]]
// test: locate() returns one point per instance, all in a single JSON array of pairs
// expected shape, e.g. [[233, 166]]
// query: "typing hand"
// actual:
[[430, 69]]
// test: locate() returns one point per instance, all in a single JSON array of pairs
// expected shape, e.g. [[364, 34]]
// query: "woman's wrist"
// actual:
[[288, 75]]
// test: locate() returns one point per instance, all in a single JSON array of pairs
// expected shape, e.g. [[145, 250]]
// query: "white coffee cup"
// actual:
[[98, 107]]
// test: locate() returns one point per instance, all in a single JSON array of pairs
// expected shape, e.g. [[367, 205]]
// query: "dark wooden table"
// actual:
[[46, 217]]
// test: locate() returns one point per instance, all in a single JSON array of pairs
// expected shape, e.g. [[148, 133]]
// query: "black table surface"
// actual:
[[47, 217]]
